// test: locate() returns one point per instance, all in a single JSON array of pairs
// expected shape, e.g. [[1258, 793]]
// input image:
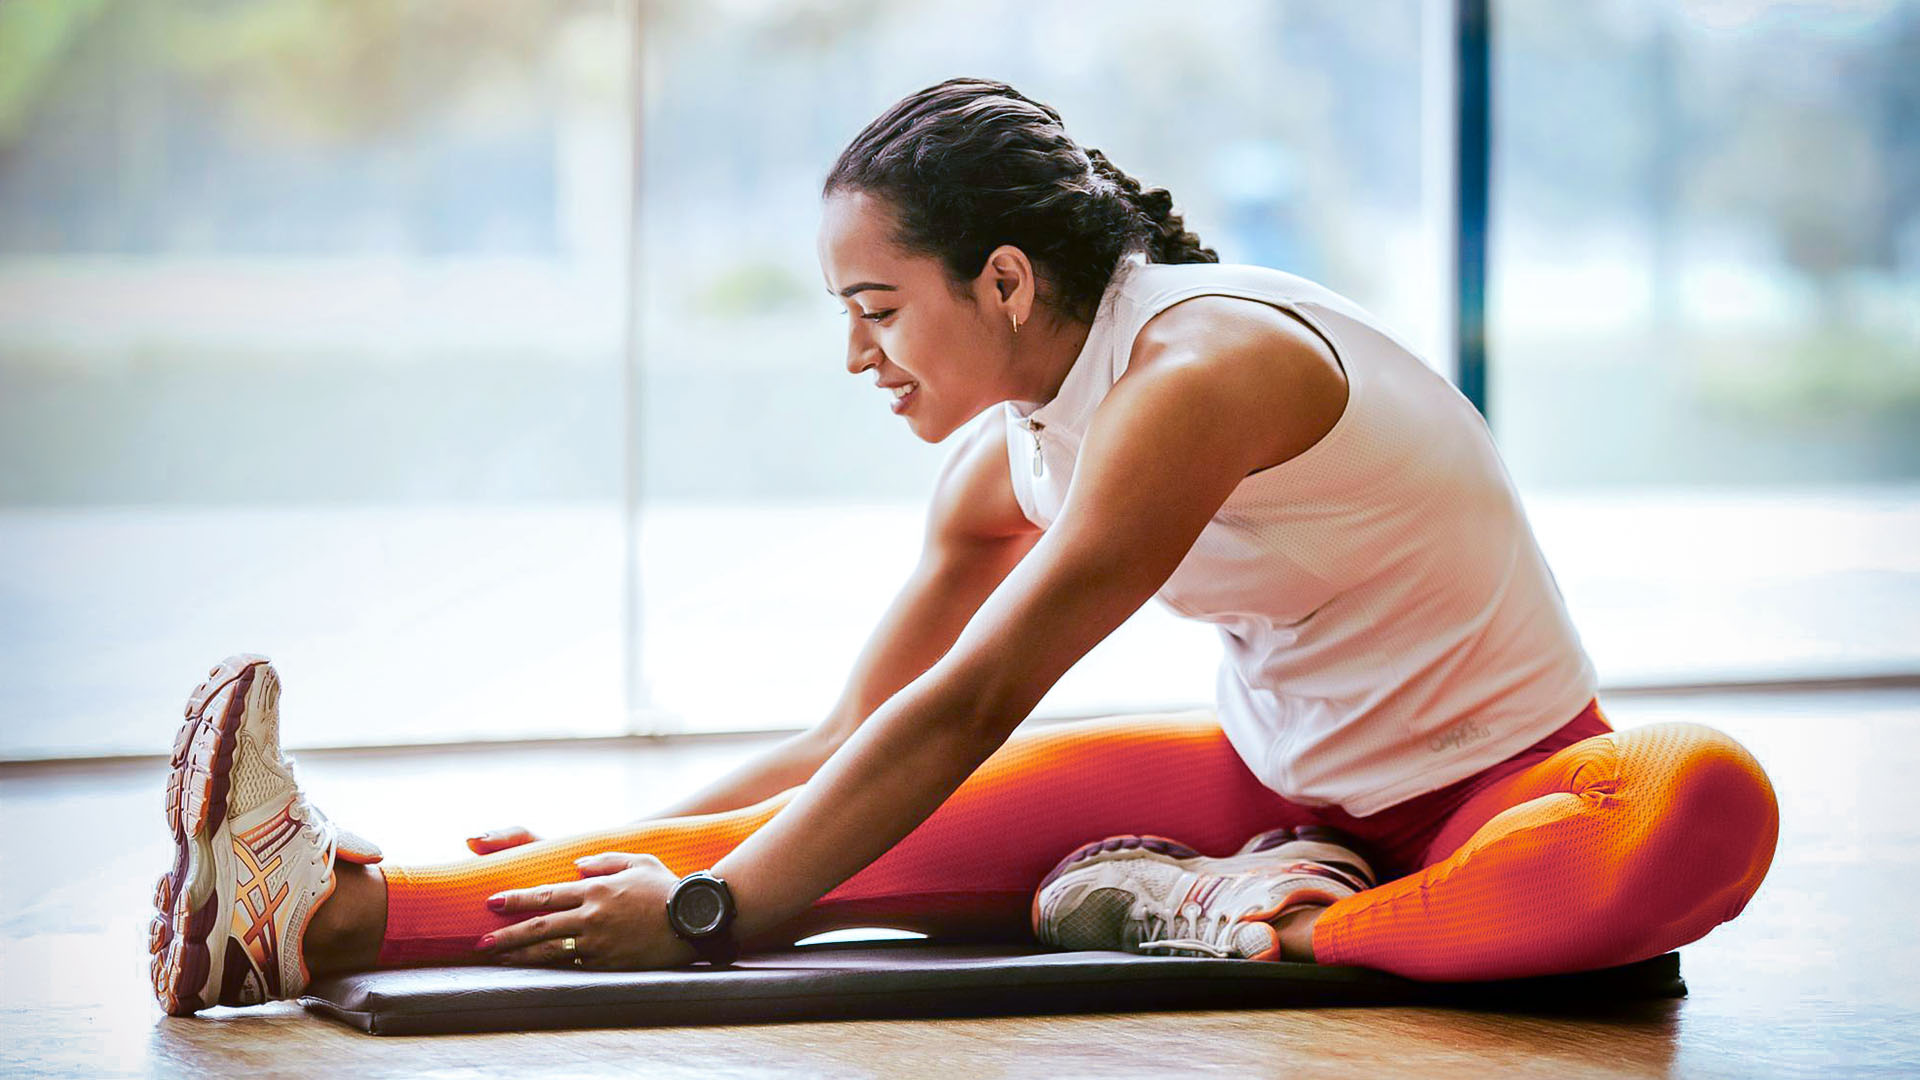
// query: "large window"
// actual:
[[310, 344]]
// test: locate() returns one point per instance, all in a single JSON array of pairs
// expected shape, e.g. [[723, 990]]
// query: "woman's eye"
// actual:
[[878, 315]]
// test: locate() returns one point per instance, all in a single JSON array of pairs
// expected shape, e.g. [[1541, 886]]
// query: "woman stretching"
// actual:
[[1404, 768]]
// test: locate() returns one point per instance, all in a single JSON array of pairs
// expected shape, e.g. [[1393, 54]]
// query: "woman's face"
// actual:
[[905, 323]]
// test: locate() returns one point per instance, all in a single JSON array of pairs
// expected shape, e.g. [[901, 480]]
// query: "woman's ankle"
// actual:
[[346, 930], [1296, 933]]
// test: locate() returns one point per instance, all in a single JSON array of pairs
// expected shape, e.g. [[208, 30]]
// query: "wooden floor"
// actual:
[[1817, 978]]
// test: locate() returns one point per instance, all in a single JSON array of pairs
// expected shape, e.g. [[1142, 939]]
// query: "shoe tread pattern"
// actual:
[[196, 805]]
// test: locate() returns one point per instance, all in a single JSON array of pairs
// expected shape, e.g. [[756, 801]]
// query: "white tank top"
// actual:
[[1390, 626]]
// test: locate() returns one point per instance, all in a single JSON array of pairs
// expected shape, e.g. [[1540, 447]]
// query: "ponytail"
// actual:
[[1168, 240]]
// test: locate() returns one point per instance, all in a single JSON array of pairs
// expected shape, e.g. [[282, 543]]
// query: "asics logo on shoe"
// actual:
[[256, 852]]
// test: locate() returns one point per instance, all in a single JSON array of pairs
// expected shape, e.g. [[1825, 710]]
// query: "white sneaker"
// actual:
[[252, 858], [1149, 894]]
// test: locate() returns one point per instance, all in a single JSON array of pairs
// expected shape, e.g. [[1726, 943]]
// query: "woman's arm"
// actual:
[[1165, 449]]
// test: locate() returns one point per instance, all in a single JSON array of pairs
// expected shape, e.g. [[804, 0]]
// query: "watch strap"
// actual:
[[719, 948]]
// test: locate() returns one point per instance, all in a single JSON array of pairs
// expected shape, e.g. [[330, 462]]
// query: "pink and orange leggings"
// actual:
[[1591, 848]]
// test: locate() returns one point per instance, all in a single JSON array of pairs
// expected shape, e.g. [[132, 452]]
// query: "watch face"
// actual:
[[699, 907]]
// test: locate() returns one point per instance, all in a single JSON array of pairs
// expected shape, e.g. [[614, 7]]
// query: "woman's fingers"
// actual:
[[610, 862], [556, 897], [531, 940], [500, 840], [549, 952]]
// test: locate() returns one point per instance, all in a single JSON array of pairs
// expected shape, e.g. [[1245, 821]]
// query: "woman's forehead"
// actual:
[[853, 229], [857, 253]]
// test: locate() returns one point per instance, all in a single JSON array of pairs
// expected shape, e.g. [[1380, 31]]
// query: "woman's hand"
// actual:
[[500, 840], [616, 914]]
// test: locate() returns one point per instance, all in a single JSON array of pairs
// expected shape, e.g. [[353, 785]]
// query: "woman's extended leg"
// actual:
[[1617, 848], [969, 870]]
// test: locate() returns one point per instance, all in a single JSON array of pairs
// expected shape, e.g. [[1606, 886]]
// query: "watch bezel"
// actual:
[[701, 881]]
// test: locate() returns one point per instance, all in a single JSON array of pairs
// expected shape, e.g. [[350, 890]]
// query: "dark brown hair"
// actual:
[[970, 164]]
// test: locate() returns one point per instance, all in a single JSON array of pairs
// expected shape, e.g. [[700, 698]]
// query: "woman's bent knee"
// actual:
[[1712, 823]]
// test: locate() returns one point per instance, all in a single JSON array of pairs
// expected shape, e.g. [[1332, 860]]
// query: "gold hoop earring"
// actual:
[[1016, 324]]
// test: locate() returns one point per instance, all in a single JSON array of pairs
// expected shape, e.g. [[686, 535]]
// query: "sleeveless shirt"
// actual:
[[1389, 624]]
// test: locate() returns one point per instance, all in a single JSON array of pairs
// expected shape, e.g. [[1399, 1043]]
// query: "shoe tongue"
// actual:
[[355, 848]]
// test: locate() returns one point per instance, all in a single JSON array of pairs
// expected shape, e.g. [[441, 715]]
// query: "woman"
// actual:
[[1406, 768]]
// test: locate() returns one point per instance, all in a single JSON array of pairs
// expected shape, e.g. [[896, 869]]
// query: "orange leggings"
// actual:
[[1589, 849]]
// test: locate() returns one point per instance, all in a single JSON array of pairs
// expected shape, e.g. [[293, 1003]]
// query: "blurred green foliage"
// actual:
[[751, 288], [1838, 377], [310, 70], [35, 37]]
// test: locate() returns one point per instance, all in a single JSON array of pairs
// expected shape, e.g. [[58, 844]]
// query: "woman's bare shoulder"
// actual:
[[1272, 358]]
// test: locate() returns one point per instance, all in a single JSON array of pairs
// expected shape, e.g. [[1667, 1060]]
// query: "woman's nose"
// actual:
[[861, 354]]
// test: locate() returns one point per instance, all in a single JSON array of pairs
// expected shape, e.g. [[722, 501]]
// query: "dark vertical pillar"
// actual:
[[1473, 126]]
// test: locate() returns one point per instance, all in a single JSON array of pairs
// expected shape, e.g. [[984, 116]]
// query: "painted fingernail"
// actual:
[[486, 941], [497, 903]]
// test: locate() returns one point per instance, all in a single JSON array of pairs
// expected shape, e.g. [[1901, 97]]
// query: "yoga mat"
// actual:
[[892, 979]]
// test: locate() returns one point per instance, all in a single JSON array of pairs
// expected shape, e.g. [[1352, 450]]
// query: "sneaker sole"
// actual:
[[196, 808], [1121, 847]]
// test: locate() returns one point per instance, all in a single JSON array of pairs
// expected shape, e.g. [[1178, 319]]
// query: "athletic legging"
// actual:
[[1589, 849]]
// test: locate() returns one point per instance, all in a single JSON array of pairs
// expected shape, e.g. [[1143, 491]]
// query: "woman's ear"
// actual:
[[1009, 276]]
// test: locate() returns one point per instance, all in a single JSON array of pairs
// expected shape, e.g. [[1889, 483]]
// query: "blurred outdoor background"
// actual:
[[473, 360]]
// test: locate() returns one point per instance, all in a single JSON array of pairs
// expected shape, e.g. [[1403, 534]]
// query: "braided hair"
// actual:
[[967, 165]]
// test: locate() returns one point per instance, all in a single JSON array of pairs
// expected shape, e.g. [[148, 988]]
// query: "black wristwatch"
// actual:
[[701, 913]]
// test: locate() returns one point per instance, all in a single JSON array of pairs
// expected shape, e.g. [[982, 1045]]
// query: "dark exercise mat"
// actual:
[[871, 979]]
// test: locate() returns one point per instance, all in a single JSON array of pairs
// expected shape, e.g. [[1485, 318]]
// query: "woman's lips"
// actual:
[[901, 402]]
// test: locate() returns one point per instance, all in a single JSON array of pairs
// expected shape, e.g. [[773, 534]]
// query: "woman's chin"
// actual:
[[927, 425], [915, 415]]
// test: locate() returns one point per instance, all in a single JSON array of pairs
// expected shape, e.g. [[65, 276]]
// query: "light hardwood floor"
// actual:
[[1816, 978]]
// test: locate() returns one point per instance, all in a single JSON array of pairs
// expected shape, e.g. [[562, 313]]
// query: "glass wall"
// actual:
[[1705, 327], [311, 325]]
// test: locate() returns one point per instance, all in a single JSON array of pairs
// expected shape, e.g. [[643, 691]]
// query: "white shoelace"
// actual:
[[308, 815], [1215, 943]]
